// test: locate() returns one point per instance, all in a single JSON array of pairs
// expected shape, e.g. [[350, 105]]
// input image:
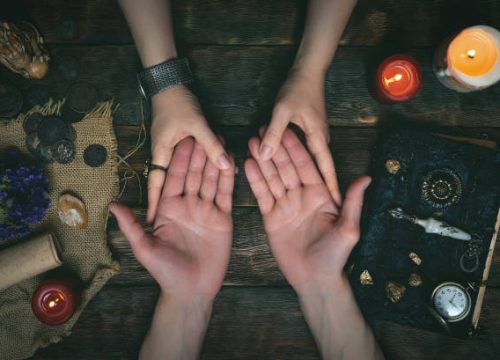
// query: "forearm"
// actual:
[[337, 323], [177, 329], [325, 23], [150, 22]]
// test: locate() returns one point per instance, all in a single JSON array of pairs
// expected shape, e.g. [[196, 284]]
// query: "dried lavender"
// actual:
[[24, 198]]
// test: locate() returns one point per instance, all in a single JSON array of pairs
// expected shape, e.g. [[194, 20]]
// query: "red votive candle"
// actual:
[[398, 78], [54, 301]]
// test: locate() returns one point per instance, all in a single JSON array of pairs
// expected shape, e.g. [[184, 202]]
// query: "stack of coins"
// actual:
[[50, 138], [82, 97]]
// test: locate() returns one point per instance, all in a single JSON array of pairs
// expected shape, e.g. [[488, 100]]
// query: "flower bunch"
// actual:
[[24, 197]]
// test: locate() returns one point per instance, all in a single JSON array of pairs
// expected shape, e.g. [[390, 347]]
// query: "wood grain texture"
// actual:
[[257, 22], [253, 323], [237, 85]]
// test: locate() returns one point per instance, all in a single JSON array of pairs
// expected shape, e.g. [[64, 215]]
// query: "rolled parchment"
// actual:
[[30, 258]]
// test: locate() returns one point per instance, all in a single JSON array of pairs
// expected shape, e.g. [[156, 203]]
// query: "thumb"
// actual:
[[213, 147], [131, 228], [272, 137], [353, 203]]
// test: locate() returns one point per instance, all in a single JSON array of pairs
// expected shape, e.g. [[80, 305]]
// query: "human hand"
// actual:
[[309, 235], [176, 116], [188, 251], [301, 100]]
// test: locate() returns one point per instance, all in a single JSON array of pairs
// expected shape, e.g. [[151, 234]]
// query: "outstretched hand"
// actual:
[[176, 116], [188, 251], [310, 236]]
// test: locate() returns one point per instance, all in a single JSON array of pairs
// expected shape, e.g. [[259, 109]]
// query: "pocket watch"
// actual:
[[451, 301]]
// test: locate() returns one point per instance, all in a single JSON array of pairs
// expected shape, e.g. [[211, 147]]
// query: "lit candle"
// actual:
[[398, 79], [470, 60], [54, 301]]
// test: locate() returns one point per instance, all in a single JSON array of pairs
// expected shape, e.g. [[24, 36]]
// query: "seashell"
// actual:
[[72, 211], [22, 50], [394, 291], [392, 166], [415, 258], [414, 280], [365, 278]]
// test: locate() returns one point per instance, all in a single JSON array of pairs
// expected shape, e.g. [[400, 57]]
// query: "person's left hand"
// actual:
[[188, 251], [301, 100]]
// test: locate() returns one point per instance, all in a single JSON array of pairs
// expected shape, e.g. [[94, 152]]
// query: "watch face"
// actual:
[[451, 301]]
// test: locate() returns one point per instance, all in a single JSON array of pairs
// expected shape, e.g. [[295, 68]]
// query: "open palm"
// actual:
[[189, 248], [309, 236]]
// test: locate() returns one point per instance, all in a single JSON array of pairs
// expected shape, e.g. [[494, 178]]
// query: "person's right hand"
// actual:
[[309, 235], [176, 116], [188, 251]]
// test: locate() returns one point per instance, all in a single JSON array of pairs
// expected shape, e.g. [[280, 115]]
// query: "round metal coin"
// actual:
[[82, 97], [63, 151], [11, 101], [95, 155], [52, 129], [31, 122]]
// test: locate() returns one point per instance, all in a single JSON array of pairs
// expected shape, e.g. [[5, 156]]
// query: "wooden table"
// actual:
[[240, 51]]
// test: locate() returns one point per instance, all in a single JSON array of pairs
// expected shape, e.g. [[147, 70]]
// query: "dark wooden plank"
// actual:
[[237, 85], [253, 323], [257, 22]]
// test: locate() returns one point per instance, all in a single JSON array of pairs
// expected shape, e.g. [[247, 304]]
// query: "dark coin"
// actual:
[[70, 130], [63, 151], [45, 153], [95, 155], [71, 115], [31, 122], [52, 129], [11, 101], [82, 97], [41, 152], [37, 95]]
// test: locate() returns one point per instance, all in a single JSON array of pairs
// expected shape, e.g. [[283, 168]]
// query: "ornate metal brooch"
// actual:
[[441, 188]]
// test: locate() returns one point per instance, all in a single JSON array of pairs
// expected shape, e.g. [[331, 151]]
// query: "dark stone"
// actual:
[[31, 122], [82, 97], [63, 151], [95, 155], [11, 101], [52, 129], [41, 152]]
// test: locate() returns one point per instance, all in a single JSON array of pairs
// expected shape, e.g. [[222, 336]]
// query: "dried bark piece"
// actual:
[[415, 258], [414, 280], [394, 291], [72, 211], [22, 51], [365, 278]]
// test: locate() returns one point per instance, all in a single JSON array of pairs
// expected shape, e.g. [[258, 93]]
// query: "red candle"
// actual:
[[54, 301], [398, 79]]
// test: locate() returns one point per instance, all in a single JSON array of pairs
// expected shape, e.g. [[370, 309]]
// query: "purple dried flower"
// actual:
[[23, 195]]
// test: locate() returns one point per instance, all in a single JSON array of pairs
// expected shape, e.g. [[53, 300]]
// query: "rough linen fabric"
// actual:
[[84, 252]]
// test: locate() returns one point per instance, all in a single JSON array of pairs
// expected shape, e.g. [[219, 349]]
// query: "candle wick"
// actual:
[[471, 53]]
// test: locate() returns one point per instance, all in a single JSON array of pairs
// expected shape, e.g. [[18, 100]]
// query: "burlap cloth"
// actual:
[[84, 252]]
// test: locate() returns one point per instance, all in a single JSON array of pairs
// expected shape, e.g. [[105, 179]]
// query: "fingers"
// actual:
[[319, 148], [131, 228], [213, 147], [224, 196], [351, 209], [272, 137], [176, 175], [267, 169], [195, 172], [209, 182], [156, 179], [305, 167], [259, 186]]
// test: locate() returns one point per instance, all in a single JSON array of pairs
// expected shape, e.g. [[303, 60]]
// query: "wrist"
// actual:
[[187, 305], [333, 286]]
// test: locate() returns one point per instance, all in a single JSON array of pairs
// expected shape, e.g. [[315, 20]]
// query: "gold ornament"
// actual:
[[414, 280], [394, 291], [415, 258], [365, 278], [392, 166], [441, 188], [22, 50]]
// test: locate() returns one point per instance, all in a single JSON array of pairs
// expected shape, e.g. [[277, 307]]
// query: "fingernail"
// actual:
[[223, 161], [265, 152]]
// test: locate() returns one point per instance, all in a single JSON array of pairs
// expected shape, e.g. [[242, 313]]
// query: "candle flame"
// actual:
[[54, 302], [396, 77]]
